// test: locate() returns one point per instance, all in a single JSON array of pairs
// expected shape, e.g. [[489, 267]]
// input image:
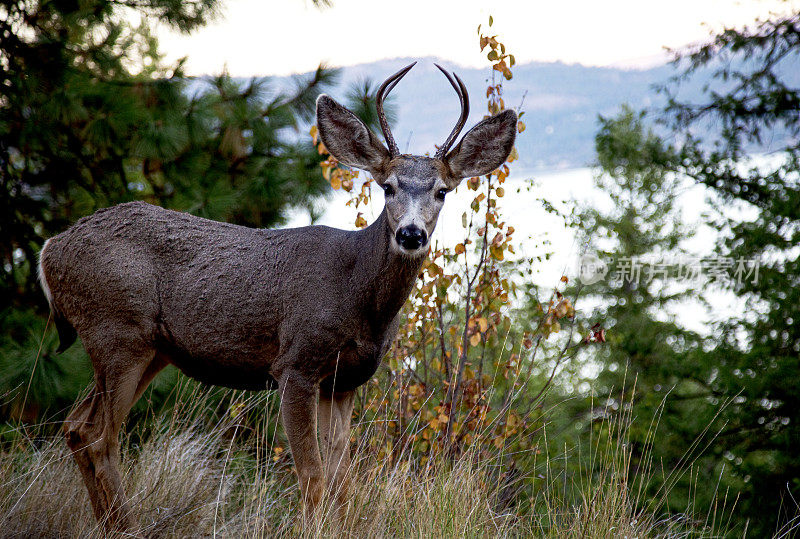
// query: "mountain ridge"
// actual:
[[561, 102]]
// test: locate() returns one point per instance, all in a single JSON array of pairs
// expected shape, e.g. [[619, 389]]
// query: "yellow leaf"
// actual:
[[483, 323], [500, 66], [360, 221], [520, 126], [496, 252], [500, 192], [475, 340], [460, 249]]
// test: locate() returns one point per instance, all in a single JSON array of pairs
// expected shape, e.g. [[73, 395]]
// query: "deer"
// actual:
[[309, 311]]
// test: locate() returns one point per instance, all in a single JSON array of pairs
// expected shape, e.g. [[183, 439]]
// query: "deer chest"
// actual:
[[356, 363]]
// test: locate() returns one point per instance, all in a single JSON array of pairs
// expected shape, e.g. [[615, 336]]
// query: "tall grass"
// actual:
[[189, 476]]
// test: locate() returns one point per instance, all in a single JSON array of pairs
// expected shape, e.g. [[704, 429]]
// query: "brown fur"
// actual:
[[310, 311]]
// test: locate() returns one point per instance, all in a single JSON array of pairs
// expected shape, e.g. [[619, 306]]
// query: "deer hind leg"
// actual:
[[92, 429], [81, 429], [334, 415], [299, 417]]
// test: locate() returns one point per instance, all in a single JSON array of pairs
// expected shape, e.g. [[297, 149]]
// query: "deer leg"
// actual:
[[92, 430], [79, 428], [334, 415], [299, 416]]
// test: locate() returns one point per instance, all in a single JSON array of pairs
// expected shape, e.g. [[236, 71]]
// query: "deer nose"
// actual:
[[411, 237]]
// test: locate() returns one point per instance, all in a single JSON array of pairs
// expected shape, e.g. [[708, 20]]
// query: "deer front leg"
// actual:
[[299, 415], [334, 415]]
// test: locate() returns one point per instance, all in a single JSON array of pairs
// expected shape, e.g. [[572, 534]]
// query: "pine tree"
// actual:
[[650, 361], [754, 363]]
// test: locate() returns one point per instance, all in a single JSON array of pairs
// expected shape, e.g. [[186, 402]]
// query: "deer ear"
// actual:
[[485, 147], [347, 138]]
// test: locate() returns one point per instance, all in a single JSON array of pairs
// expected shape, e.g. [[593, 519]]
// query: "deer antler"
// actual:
[[383, 91], [463, 96]]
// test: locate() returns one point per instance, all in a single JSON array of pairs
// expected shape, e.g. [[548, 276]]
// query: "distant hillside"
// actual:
[[561, 102]]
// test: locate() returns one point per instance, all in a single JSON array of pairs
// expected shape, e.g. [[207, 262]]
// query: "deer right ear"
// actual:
[[485, 147], [348, 139]]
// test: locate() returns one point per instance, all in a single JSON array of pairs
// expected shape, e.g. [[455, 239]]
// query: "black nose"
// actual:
[[411, 237]]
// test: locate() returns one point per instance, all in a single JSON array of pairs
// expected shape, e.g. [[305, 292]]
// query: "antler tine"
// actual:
[[463, 96], [387, 86]]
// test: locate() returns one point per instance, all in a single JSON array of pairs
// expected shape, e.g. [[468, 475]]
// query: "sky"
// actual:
[[278, 37]]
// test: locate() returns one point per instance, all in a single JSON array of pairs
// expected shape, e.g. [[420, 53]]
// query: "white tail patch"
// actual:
[[42, 279]]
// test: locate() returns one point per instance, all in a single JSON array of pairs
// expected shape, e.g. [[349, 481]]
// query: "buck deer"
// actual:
[[310, 311]]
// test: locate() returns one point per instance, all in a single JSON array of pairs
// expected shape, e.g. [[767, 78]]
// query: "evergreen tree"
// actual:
[[754, 360], [650, 360]]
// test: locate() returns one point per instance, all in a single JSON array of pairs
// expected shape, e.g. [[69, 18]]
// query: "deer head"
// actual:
[[415, 187]]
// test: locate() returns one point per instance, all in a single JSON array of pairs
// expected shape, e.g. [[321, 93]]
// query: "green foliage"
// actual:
[[360, 99], [36, 382], [728, 401], [649, 360], [754, 359]]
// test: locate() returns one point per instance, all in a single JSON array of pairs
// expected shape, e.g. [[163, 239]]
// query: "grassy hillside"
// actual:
[[194, 471]]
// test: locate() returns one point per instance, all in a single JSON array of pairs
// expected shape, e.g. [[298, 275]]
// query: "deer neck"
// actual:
[[388, 275]]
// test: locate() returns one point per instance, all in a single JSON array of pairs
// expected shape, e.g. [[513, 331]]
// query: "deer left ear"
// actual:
[[485, 147], [348, 139]]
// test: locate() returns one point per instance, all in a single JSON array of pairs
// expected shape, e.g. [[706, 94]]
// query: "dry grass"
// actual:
[[191, 479]]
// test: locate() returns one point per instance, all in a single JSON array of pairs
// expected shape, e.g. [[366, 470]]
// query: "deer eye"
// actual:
[[388, 190], [441, 193]]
